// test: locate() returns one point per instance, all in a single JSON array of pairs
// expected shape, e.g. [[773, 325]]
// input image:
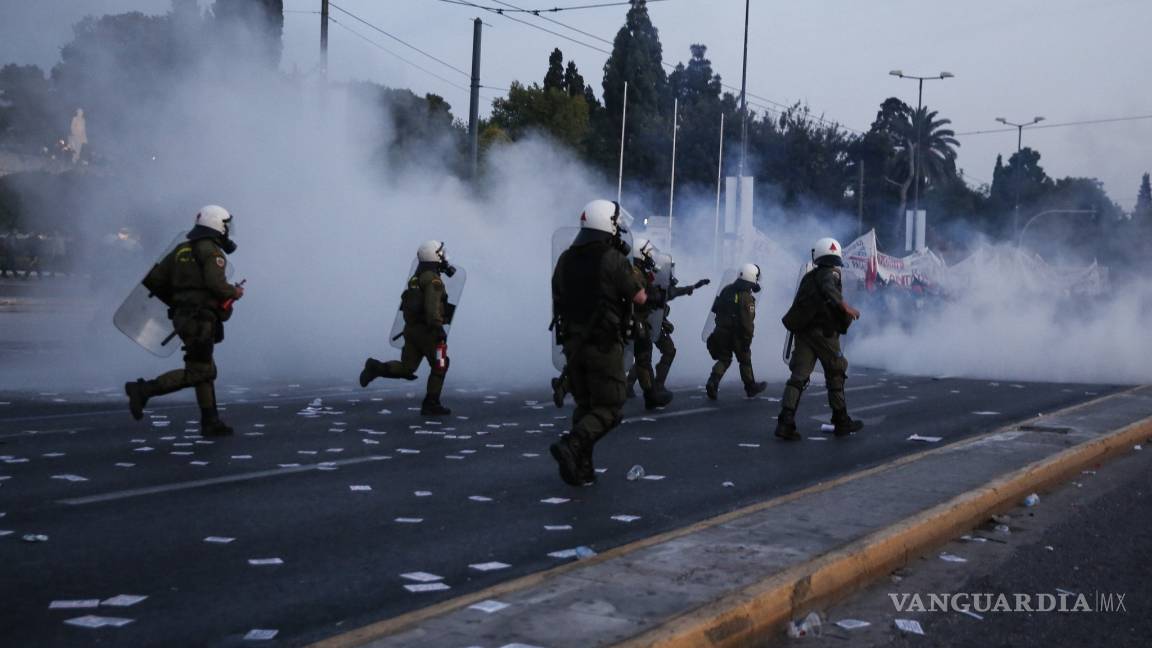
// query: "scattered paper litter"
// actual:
[[489, 566], [653, 477], [422, 493], [265, 561], [480, 498], [926, 439], [947, 557], [74, 604], [93, 621], [749, 445], [360, 487], [563, 553], [421, 577], [70, 478], [984, 414], [488, 606], [625, 518], [852, 624], [554, 500], [123, 600], [728, 484], [260, 634], [909, 625], [426, 587], [408, 520], [557, 527], [218, 539]]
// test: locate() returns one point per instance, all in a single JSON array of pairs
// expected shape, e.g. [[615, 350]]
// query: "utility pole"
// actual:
[[1018, 180], [672, 180], [860, 201], [623, 130], [474, 102], [744, 94], [324, 38]]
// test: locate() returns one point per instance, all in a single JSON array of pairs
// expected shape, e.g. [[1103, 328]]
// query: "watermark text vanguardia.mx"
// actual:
[[983, 603]]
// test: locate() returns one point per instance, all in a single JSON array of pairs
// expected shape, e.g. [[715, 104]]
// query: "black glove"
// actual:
[[701, 283]]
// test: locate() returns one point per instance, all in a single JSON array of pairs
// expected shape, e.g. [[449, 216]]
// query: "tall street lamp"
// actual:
[[1019, 163], [919, 129]]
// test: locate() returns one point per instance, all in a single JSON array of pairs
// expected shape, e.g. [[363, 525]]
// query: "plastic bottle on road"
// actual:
[[1032, 500], [809, 627], [635, 472]]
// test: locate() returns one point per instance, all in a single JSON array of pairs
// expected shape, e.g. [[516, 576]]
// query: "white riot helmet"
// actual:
[[603, 216], [750, 272], [643, 250], [827, 251], [215, 218], [431, 252]]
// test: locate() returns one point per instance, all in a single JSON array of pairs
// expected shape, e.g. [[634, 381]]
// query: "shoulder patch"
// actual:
[[220, 262]]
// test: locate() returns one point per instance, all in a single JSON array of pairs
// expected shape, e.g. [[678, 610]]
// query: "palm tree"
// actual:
[[937, 147]]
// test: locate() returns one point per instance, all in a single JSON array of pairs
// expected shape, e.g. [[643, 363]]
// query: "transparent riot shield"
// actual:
[[710, 321], [144, 318], [789, 338], [562, 239], [453, 285], [663, 281]]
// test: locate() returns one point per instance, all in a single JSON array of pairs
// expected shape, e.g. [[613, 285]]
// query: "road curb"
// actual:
[[747, 617]]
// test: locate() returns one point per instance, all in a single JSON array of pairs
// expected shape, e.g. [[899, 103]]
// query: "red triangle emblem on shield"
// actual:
[[832, 248]]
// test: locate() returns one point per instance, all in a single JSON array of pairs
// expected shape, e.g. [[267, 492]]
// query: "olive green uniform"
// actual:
[[735, 309], [592, 290], [642, 343], [425, 308], [192, 281], [816, 321]]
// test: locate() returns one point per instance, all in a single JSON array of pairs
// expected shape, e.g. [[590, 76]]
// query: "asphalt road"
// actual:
[[355, 490]]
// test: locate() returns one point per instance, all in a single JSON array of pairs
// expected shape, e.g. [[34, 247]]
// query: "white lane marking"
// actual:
[[35, 433], [848, 389], [200, 483], [869, 407]]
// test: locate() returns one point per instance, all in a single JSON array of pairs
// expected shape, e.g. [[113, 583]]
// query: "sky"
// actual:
[[1066, 60]]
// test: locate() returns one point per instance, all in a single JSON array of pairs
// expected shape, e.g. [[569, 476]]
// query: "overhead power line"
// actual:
[[401, 41], [510, 7], [537, 12], [413, 64], [1060, 125]]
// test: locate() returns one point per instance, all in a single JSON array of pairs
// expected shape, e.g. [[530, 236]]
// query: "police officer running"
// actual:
[[593, 292], [664, 343], [735, 312], [426, 310], [644, 266], [818, 317], [191, 281]]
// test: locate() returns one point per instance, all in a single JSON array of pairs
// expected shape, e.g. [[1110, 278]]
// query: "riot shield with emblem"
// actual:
[[789, 338], [144, 318], [453, 286], [562, 239], [710, 321]]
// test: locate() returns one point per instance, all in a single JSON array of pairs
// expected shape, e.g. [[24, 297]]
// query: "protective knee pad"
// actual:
[[800, 386]]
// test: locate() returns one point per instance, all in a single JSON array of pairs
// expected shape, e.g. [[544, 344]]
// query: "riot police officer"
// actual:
[[664, 342], [817, 318], [645, 268], [426, 310], [191, 281], [735, 313], [593, 292]]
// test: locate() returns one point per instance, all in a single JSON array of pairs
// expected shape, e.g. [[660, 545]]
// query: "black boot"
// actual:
[[432, 407], [786, 425], [654, 398], [368, 373], [574, 462], [751, 389], [138, 394], [712, 386], [844, 424], [558, 392], [211, 425]]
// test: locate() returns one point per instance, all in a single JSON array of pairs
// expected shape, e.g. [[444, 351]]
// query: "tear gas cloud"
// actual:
[[326, 241]]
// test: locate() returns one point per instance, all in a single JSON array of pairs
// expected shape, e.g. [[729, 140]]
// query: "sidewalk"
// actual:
[[731, 580]]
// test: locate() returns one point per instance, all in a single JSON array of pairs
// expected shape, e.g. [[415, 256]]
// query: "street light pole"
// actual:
[[919, 130], [1019, 179]]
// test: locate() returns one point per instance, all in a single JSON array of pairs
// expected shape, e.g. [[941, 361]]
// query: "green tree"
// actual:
[[238, 21], [574, 82], [698, 90], [552, 110], [554, 78], [637, 59], [1142, 213], [29, 118]]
